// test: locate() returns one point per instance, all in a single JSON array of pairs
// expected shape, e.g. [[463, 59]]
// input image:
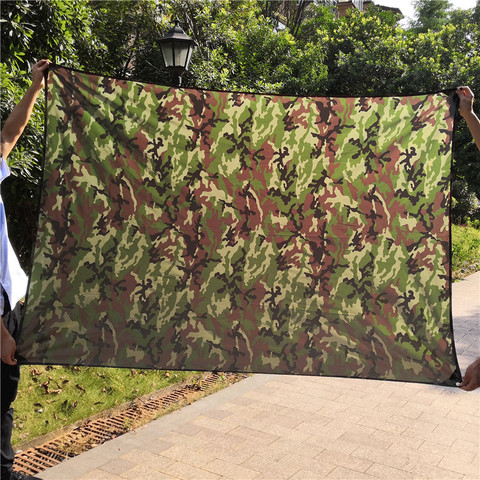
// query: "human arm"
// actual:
[[18, 119], [466, 111], [471, 379], [8, 346]]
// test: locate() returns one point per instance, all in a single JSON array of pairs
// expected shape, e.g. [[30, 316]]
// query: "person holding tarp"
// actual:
[[471, 379], [13, 281]]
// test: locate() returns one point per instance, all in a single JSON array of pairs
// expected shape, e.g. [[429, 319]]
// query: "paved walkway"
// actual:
[[299, 428]]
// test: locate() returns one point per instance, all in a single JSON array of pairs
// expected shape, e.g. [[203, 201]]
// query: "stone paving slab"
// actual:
[[299, 428]]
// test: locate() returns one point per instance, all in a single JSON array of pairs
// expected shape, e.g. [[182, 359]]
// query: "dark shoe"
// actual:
[[22, 476]]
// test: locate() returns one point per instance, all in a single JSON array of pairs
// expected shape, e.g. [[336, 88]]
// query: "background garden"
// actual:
[[291, 48]]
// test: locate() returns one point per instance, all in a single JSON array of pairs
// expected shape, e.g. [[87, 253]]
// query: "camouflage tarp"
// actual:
[[204, 230]]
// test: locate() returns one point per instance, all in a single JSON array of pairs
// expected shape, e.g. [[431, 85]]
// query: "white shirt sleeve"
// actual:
[[12, 278]]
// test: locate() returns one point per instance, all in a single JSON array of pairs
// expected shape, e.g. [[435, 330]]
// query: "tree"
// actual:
[[288, 14], [125, 35], [364, 54], [431, 15]]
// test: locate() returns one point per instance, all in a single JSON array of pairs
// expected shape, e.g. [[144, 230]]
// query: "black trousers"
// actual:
[[10, 375]]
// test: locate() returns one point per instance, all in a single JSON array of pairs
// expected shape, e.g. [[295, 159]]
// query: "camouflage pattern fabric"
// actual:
[[205, 230]]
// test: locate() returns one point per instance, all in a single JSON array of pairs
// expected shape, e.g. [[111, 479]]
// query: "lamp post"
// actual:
[[177, 49]]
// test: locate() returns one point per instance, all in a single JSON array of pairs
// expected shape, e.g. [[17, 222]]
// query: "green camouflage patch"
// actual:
[[189, 229]]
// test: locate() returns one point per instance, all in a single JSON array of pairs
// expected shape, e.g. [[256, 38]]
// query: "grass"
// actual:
[[465, 251], [51, 398]]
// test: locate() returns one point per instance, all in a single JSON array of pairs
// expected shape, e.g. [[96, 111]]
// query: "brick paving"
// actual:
[[299, 428]]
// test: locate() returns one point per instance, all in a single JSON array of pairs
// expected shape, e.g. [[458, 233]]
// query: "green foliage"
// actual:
[[291, 15], [465, 203], [465, 249], [431, 15], [34, 29], [125, 37], [363, 54], [16, 32]]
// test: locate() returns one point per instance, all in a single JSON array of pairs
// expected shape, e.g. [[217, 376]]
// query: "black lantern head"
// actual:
[[177, 49]]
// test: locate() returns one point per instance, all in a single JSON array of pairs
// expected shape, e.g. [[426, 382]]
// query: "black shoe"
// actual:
[[22, 476]]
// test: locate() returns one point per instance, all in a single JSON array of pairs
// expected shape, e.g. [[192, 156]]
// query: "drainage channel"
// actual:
[[93, 433]]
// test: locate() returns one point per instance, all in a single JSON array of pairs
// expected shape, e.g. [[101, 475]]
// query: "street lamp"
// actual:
[[177, 49]]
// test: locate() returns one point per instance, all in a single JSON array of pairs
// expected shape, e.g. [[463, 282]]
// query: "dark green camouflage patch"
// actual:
[[189, 229]]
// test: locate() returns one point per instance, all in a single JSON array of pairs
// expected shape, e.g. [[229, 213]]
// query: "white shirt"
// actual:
[[12, 278]]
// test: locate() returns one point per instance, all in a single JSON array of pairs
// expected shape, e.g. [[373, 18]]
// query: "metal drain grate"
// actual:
[[95, 432]]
